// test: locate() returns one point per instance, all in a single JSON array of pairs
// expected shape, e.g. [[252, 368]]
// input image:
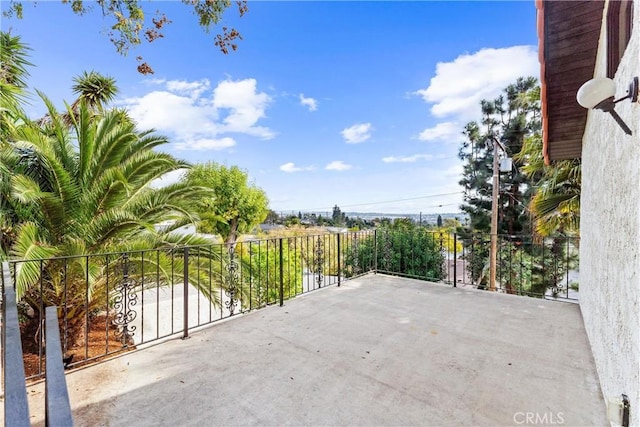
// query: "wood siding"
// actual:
[[568, 32]]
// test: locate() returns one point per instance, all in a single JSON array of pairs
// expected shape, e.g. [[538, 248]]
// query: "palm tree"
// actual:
[[13, 74], [13, 71], [94, 88], [87, 187], [555, 203]]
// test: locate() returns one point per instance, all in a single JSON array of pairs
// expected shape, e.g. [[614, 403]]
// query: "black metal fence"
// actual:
[[543, 267], [117, 301], [113, 302]]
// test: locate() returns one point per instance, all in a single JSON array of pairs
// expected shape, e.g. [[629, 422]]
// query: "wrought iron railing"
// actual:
[[114, 302], [118, 301], [543, 267]]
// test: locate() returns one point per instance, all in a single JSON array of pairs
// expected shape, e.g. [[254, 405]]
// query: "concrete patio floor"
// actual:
[[378, 350]]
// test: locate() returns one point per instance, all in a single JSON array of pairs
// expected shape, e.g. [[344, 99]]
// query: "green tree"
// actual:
[[92, 88], [14, 60], [337, 216], [510, 118], [262, 258], [86, 190], [130, 25], [79, 183], [236, 206], [89, 185], [272, 217], [14, 65], [292, 220], [95, 89], [555, 205], [406, 250], [403, 224], [439, 221]]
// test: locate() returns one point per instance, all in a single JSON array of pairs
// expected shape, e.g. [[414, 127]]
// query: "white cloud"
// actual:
[[357, 133], [291, 167], [168, 178], [191, 89], [206, 144], [171, 113], [196, 118], [338, 165], [460, 85], [246, 106], [442, 132], [311, 103], [407, 159]]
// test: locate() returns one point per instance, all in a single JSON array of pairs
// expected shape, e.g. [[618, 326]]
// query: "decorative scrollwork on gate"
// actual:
[[556, 290], [124, 303], [232, 281], [386, 252], [319, 261]]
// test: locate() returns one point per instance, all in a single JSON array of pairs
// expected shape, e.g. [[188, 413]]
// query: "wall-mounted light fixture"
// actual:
[[600, 92]]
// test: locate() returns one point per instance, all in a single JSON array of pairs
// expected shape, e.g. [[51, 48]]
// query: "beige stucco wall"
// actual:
[[610, 234]]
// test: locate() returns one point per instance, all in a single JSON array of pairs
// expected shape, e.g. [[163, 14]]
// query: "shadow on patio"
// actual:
[[379, 350]]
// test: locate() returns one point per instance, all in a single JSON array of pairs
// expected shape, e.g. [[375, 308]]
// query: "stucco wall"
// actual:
[[610, 235]]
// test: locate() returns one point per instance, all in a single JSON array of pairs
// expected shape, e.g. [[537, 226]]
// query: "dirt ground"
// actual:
[[101, 342]]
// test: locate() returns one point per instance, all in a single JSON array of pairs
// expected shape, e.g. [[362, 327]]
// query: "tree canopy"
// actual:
[[131, 25], [78, 182], [510, 119], [237, 205], [555, 205]]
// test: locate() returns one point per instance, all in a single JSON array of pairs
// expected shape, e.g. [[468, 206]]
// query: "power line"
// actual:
[[390, 201], [440, 206]]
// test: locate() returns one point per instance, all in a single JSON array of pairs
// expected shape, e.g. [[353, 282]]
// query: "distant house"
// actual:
[[580, 40]]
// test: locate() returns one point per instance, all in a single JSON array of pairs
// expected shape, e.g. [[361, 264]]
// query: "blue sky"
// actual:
[[359, 104]]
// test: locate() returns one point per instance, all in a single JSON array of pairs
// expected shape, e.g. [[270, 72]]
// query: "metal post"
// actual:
[[339, 267], [185, 295], [281, 276], [493, 253], [375, 251], [455, 260]]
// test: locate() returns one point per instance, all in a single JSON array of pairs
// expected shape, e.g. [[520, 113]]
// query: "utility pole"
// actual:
[[493, 252]]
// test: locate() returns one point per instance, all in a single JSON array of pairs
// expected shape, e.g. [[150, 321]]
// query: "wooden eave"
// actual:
[[568, 34]]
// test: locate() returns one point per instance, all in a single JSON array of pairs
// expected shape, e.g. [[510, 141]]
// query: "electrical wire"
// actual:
[[389, 201]]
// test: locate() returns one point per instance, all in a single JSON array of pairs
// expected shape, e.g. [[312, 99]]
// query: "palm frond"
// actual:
[[13, 60], [107, 226], [29, 246], [25, 189]]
